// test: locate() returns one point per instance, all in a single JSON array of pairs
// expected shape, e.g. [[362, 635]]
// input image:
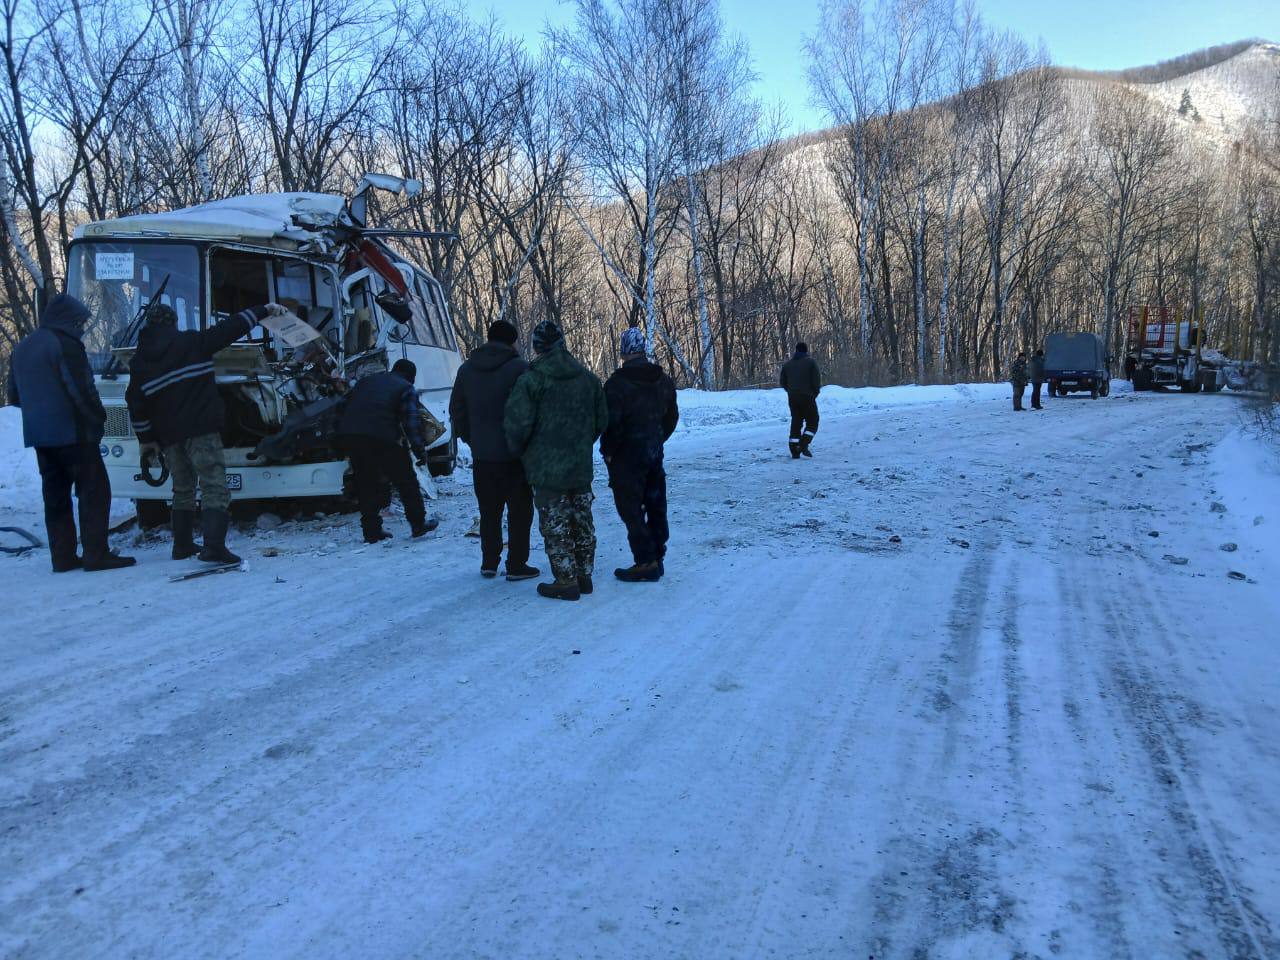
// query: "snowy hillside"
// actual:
[[1225, 98], [970, 684], [1227, 95]]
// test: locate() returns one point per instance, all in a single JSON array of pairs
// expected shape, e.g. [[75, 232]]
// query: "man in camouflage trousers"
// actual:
[[175, 406], [1018, 377], [553, 417]]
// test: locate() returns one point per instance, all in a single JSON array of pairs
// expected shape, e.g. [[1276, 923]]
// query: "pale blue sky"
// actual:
[[1094, 34]]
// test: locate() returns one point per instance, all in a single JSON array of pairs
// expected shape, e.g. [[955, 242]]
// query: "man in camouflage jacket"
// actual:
[[553, 417], [1018, 377]]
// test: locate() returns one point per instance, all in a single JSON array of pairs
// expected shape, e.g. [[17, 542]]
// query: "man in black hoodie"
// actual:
[[476, 408], [642, 416], [62, 417], [802, 380], [175, 406]]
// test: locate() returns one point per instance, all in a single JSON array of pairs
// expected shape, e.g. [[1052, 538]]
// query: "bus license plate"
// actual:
[[235, 481]]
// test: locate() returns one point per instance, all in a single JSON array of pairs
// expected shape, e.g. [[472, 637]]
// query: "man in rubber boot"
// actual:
[[642, 416], [1037, 378], [62, 417], [802, 380], [476, 409], [176, 408], [380, 409], [1018, 377], [554, 415]]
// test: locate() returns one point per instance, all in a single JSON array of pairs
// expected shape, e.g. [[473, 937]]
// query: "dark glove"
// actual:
[[420, 457]]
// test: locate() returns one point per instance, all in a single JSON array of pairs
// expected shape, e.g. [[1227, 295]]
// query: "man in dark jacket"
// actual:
[[62, 417], [1037, 378], [379, 410], [554, 415], [642, 416], [476, 409], [802, 380], [175, 407]]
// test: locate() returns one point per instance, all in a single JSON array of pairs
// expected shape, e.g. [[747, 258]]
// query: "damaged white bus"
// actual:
[[362, 307]]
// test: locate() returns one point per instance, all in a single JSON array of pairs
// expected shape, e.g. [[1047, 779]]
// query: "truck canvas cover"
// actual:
[[1073, 353]]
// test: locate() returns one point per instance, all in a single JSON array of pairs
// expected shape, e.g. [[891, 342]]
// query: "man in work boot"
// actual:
[[379, 410], [554, 415], [62, 417], [802, 380], [476, 409], [642, 416], [1037, 378], [1018, 377], [176, 408]]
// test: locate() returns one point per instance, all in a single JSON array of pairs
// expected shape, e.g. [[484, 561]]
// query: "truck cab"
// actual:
[[1076, 362], [310, 252]]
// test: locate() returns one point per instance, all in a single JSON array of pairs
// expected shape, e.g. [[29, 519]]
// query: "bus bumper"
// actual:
[[246, 480]]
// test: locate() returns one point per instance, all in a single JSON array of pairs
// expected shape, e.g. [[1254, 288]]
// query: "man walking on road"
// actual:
[[1037, 378], [1018, 377], [62, 417], [476, 410], [642, 416], [175, 407], [802, 380], [554, 416], [379, 410]]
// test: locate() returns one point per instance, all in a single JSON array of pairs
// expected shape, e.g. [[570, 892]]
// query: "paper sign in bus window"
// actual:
[[292, 329], [114, 266]]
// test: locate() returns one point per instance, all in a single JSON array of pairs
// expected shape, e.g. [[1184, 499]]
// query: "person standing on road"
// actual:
[[554, 415], [802, 380], [476, 409], [62, 418], [642, 416], [1018, 377], [1037, 378], [379, 410], [175, 407]]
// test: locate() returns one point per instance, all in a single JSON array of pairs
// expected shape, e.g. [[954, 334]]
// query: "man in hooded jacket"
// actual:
[[62, 417], [554, 415], [476, 409], [642, 416], [175, 407]]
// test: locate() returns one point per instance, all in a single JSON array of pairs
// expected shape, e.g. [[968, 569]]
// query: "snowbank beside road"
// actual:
[[1246, 467], [19, 476], [700, 409]]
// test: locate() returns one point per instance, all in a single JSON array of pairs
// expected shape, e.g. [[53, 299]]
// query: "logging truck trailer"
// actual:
[[1168, 351], [361, 304]]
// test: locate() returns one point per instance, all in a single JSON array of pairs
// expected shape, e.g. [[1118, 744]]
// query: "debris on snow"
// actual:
[[267, 521]]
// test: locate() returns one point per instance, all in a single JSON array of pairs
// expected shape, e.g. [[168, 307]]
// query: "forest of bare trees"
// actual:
[[968, 198]]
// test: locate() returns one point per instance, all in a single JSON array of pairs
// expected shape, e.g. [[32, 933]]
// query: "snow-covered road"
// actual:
[[937, 693]]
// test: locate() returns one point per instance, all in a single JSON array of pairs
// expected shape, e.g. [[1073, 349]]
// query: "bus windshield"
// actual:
[[113, 278]]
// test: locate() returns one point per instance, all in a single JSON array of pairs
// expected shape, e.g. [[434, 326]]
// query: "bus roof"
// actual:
[[290, 220]]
